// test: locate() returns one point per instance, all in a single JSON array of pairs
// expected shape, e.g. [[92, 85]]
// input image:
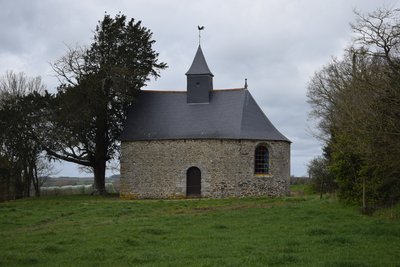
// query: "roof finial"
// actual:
[[245, 83], [200, 29]]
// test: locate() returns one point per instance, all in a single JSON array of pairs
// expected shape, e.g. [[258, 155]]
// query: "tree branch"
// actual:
[[68, 158]]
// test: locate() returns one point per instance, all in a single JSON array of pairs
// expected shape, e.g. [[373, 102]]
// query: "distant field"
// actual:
[[60, 182], [293, 231], [63, 181]]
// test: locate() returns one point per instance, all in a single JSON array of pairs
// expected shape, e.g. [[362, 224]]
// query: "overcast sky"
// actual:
[[276, 44]]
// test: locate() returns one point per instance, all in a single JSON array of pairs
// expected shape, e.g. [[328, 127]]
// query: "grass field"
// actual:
[[293, 231]]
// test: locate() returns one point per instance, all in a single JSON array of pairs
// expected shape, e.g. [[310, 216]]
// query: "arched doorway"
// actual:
[[193, 182]]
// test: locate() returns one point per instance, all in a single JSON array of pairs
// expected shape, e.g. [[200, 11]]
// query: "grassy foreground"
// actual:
[[294, 231]]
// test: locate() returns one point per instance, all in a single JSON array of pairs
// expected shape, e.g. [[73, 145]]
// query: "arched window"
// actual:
[[261, 160]]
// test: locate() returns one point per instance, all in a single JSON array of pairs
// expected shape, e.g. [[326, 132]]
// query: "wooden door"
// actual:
[[193, 182]]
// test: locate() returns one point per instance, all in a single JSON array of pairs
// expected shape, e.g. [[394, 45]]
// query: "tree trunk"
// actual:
[[99, 171], [18, 183], [321, 188], [364, 201], [35, 180], [100, 156], [100, 160], [27, 182]]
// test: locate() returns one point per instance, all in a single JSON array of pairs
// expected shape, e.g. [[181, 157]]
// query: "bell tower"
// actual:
[[199, 80]]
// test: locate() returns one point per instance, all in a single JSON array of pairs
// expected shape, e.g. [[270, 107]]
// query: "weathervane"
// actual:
[[200, 29]]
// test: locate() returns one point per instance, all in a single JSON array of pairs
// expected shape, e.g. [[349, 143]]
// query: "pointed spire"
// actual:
[[199, 65], [199, 80]]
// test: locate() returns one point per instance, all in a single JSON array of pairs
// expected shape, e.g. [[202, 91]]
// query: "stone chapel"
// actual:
[[202, 142]]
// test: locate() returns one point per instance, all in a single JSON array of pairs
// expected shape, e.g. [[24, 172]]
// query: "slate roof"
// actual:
[[199, 65], [230, 114]]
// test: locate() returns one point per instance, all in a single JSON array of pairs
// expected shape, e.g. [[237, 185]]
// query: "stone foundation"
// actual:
[[157, 169]]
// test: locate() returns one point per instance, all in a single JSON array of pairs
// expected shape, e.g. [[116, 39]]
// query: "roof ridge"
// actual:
[[163, 91], [184, 91], [228, 89]]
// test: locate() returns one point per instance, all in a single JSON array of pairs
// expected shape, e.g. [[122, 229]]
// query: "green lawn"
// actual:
[[293, 231]]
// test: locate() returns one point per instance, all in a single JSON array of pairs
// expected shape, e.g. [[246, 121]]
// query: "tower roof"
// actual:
[[199, 65]]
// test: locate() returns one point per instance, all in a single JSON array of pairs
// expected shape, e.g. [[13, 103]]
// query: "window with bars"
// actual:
[[261, 160]]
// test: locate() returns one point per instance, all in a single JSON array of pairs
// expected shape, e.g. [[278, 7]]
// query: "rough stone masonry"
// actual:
[[158, 168]]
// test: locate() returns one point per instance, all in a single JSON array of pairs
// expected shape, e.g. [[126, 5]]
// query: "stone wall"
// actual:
[[157, 169]]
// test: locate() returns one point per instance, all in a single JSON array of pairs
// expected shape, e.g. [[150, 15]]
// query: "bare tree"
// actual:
[[378, 33], [14, 85], [41, 172]]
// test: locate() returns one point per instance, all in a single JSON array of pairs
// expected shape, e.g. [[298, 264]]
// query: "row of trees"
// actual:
[[81, 123], [356, 102], [22, 103]]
